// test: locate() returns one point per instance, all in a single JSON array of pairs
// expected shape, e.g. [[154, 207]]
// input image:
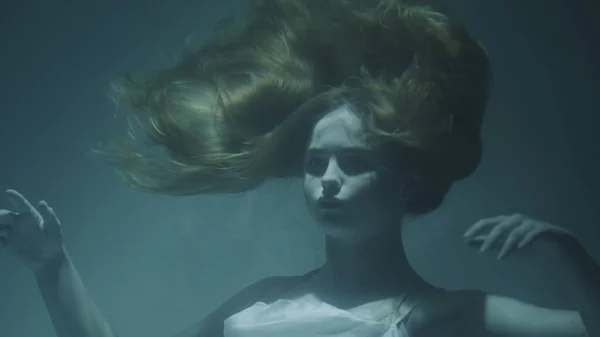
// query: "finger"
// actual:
[[511, 241], [20, 202], [482, 224], [51, 222], [477, 239], [505, 225], [7, 217], [529, 237]]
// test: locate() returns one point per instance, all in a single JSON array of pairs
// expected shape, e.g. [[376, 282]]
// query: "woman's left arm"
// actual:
[[581, 279], [508, 317]]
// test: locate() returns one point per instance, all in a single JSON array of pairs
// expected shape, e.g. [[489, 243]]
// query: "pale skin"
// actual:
[[347, 193]]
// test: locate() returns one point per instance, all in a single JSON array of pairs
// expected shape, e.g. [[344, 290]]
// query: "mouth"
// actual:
[[329, 204]]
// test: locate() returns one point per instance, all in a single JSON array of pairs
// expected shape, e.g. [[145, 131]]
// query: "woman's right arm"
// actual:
[[72, 311], [34, 235], [74, 314]]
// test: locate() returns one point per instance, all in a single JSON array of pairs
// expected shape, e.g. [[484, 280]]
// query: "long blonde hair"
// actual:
[[238, 111]]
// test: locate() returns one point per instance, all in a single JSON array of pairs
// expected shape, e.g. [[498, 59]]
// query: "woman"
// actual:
[[377, 106]]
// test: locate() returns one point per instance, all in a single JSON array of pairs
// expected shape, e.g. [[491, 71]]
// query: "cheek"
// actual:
[[361, 186], [310, 184], [372, 191]]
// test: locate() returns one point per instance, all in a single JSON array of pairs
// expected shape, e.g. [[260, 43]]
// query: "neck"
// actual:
[[373, 268]]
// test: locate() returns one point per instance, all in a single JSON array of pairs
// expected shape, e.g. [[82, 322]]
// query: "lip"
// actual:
[[329, 203]]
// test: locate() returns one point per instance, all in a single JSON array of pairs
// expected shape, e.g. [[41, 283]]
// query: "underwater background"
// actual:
[[155, 264]]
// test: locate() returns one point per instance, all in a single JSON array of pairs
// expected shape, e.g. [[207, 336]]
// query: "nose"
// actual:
[[331, 180], [330, 187]]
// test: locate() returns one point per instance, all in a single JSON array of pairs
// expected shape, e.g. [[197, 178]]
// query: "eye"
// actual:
[[354, 164], [315, 164]]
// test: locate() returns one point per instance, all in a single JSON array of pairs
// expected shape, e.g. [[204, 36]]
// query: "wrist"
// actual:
[[50, 264]]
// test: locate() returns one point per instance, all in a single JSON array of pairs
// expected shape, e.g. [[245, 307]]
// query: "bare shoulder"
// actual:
[[265, 290], [458, 311]]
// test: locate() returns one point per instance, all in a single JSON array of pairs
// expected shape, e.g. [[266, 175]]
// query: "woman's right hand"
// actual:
[[33, 234]]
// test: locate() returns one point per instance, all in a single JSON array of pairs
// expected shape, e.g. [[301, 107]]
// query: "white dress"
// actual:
[[300, 318]]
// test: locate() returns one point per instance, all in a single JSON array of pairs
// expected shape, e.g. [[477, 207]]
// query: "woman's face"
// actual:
[[345, 190]]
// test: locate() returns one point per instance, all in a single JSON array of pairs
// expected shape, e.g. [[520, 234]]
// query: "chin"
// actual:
[[346, 235], [349, 231], [338, 227], [338, 233]]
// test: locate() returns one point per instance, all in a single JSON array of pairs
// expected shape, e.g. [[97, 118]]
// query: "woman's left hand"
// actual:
[[510, 232]]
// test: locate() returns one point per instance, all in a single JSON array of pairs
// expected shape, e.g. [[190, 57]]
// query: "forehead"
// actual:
[[338, 129]]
